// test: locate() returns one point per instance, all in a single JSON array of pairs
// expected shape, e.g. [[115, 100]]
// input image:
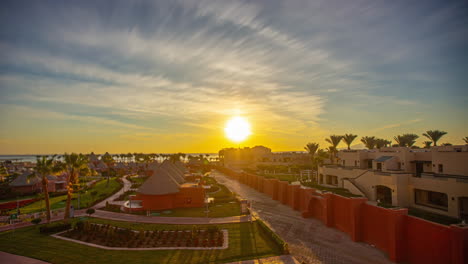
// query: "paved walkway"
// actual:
[[309, 239], [127, 184], [169, 220], [284, 259], [15, 259]]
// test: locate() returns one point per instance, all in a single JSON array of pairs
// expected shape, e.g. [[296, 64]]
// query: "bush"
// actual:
[[54, 227], [266, 230], [36, 221], [90, 211], [80, 225]]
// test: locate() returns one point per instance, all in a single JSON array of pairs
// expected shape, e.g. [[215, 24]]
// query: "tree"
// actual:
[[74, 163], [434, 135], [369, 142], [44, 167], [334, 140], [312, 149], [348, 139], [380, 143], [465, 139], [427, 144], [90, 211], [108, 160], [410, 139], [406, 140]]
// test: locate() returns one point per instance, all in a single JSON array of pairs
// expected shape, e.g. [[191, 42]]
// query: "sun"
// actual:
[[237, 129]]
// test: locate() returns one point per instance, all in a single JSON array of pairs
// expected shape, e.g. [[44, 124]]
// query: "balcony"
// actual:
[[459, 178]]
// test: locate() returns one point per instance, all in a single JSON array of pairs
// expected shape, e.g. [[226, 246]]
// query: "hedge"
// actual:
[[266, 230], [54, 227]]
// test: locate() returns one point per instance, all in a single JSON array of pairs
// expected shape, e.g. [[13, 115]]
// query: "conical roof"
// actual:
[[174, 172], [160, 183], [181, 166]]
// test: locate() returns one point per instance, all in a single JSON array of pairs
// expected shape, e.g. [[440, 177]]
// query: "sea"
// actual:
[[32, 158]]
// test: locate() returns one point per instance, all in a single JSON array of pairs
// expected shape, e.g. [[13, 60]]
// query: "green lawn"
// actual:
[[86, 199], [245, 242], [282, 177], [433, 217], [340, 191]]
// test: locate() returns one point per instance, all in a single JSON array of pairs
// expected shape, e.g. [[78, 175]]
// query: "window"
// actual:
[[379, 166], [436, 200], [331, 180], [355, 163], [321, 178], [441, 168], [344, 162]]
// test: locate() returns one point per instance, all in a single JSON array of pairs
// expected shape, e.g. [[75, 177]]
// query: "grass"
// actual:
[[86, 199], [137, 181], [340, 191], [282, 177], [245, 242], [433, 217]]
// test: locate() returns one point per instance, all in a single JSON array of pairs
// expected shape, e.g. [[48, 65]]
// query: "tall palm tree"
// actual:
[[400, 140], [312, 149], [348, 139], [74, 163], [465, 139], [369, 142], [44, 167], [334, 140], [410, 139], [434, 135]]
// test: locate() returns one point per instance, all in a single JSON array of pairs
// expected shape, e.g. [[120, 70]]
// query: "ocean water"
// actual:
[[32, 158]]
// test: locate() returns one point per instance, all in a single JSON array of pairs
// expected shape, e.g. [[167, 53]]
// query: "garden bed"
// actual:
[[117, 238]]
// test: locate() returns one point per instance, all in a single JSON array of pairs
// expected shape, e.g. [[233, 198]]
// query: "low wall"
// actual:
[[404, 238]]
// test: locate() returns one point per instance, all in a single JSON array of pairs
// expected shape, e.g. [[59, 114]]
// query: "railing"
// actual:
[[460, 178]]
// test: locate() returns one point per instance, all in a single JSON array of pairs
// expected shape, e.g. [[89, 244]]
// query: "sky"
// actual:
[[166, 76]]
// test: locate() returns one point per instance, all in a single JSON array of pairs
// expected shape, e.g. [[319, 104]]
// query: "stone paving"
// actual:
[[15, 259], [310, 241]]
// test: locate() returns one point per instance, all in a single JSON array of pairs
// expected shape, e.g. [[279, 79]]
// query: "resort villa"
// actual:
[[166, 188], [240, 158], [434, 179], [28, 183]]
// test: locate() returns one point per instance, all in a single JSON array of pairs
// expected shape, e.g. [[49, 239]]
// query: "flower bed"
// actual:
[[115, 237], [14, 204]]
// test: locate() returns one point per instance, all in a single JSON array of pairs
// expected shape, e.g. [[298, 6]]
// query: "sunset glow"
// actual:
[[237, 129]]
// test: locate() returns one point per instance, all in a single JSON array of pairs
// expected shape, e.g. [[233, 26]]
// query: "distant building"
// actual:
[[434, 180], [27, 183], [166, 189], [240, 158]]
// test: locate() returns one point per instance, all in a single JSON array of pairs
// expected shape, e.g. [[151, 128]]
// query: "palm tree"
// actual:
[[434, 135], [369, 142], [334, 140], [44, 167], [427, 144], [400, 140], [74, 163], [312, 149], [348, 139], [465, 139], [410, 139]]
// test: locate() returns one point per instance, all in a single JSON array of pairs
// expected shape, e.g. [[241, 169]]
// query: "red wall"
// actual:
[[187, 197], [404, 238], [282, 192], [423, 237]]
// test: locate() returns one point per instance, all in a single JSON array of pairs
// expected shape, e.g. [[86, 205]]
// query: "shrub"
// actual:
[[36, 221], [90, 211], [54, 227], [80, 225]]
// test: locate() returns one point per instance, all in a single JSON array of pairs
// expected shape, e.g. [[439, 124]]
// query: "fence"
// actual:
[[404, 238]]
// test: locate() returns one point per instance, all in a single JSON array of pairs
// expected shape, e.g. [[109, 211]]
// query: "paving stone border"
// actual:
[[224, 246]]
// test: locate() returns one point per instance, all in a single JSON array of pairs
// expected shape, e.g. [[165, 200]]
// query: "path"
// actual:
[[309, 239], [127, 184], [16, 259]]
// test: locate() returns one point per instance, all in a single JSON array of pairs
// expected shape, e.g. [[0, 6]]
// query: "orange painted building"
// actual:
[[166, 189]]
